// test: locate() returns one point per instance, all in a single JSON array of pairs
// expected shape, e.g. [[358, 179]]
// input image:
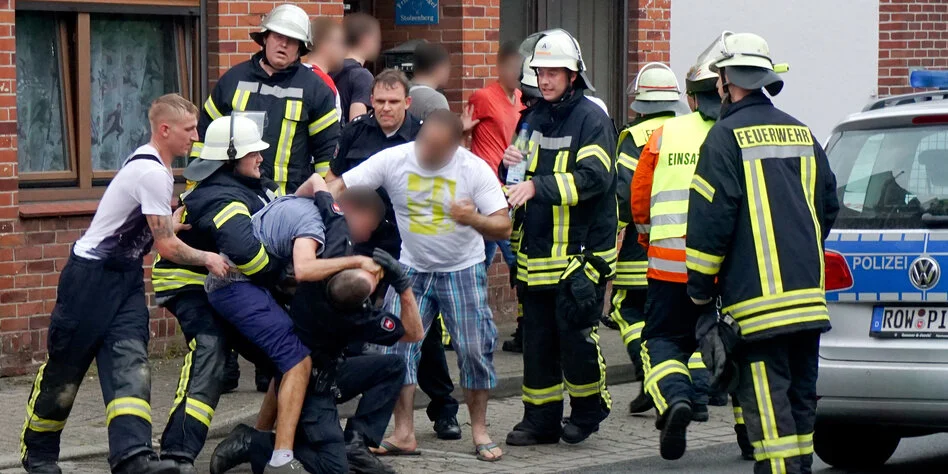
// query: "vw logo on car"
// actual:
[[924, 273]]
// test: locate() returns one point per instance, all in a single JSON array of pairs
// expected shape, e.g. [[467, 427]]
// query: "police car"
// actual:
[[884, 365]]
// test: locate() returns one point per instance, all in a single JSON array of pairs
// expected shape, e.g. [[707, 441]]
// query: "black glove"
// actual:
[[579, 300], [717, 341], [394, 275]]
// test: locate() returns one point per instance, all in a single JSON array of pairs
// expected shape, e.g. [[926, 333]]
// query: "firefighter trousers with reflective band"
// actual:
[[100, 314], [556, 354], [628, 311], [210, 339], [674, 371], [777, 394]]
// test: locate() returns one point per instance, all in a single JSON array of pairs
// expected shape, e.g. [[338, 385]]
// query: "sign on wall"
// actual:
[[416, 12]]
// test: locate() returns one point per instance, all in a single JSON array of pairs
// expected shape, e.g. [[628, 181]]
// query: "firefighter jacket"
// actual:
[[218, 210], [762, 201], [301, 124], [660, 193], [630, 270], [571, 164]]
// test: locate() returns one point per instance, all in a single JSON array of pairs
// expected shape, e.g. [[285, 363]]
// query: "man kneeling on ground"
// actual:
[[329, 315]]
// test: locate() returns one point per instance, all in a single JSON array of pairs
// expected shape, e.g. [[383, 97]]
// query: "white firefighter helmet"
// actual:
[[555, 48], [528, 81], [747, 63], [290, 21], [701, 76], [655, 82], [228, 138], [655, 89]]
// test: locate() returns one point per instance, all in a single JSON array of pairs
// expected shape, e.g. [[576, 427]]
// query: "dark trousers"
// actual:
[[434, 378], [320, 445], [210, 340], [673, 370], [100, 313], [628, 311], [554, 352], [379, 379], [777, 394]]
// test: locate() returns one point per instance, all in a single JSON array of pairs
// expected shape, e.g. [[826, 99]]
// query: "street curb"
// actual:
[[506, 387]]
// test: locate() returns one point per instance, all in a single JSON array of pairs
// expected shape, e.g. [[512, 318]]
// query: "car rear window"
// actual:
[[891, 178]]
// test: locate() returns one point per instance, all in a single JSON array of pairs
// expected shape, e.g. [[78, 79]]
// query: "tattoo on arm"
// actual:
[[169, 245]]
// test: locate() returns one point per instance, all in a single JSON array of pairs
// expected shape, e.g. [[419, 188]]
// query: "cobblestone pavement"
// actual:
[[620, 438]]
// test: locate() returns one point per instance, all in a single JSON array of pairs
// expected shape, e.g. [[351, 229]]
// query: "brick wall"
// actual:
[[649, 34], [912, 34], [468, 29]]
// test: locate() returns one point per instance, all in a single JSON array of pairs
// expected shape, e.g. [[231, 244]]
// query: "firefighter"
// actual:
[[221, 207], [675, 375], [763, 258], [180, 289], [101, 311], [566, 247], [657, 99], [302, 123]]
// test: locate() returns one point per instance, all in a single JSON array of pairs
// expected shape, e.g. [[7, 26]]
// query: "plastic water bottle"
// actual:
[[516, 173]]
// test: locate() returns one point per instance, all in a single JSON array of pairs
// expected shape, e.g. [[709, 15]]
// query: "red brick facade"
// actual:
[[912, 34], [649, 34]]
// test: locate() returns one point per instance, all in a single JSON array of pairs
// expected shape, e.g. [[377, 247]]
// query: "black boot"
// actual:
[[515, 344], [231, 377], [642, 403], [185, 466], [700, 413], [719, 399], [233, 451], [447, 428], [361, 460], [607, 321], [674, 430], [522, 436], [42, 467], [747, 449], [261, 378], [574, 434], [146, 464]]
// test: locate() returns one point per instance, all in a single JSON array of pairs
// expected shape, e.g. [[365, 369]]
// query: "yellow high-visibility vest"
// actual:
[[678, 154]]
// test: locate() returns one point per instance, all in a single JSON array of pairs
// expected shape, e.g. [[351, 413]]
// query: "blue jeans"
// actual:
[[490, 247]]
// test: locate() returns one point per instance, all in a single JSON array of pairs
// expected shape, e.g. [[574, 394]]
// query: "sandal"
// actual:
[[392, 450], [481, 448]]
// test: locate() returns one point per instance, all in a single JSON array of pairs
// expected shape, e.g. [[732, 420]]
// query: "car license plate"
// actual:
[[910, 322]]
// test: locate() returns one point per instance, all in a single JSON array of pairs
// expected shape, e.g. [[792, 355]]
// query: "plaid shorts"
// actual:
[[461, 298]]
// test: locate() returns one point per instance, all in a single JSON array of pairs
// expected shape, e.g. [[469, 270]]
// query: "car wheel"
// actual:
[[852, 446]]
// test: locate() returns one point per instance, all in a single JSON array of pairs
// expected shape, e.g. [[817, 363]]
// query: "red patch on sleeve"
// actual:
[[388, 324]]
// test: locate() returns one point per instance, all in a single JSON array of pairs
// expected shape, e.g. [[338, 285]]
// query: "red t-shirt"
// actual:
[[498, 122], [329, 82]]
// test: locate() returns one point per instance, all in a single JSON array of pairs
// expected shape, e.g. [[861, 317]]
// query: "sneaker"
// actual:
[[673, 439], [293, 466], [448, 428]]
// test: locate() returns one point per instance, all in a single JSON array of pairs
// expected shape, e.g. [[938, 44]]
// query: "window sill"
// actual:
[[36, 210]]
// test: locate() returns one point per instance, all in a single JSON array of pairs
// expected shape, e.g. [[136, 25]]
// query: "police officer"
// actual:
[[100, 308], [566, 247], [674, 373], [763, 257], [657, 95], [180, 289], [390, 124], [301, 119]]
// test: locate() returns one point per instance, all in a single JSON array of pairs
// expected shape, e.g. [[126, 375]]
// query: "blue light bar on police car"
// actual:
[[926, 78]]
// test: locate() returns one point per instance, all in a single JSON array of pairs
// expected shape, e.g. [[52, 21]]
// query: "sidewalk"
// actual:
[[85, 434]]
